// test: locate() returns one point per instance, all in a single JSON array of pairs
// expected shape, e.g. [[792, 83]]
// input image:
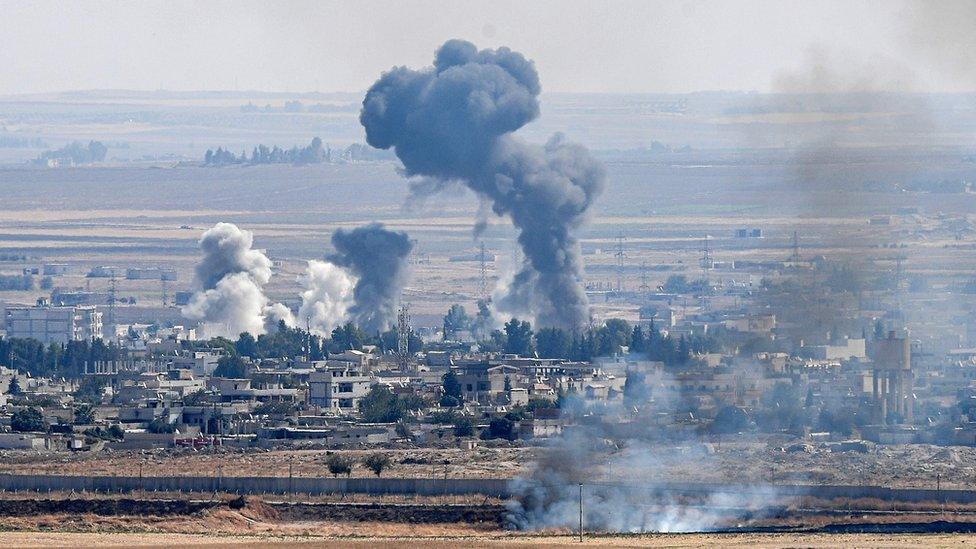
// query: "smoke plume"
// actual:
[[377, 257], [622, 471], [327, 297], [454, 121], [231, 277]]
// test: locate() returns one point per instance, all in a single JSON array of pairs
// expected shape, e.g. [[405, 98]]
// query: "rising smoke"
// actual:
[[616, 464], [377, 257], [231, 277], [327, 297], [454, 122]]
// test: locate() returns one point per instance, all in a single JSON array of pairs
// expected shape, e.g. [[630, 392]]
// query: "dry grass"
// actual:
[[757, 541]]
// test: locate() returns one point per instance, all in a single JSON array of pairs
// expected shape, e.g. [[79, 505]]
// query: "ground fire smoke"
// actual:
[[377, 257], [620, 492], [327, 297], [454, 121], [231, 276]]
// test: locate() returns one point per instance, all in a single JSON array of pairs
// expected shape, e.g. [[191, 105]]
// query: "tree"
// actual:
[[483, 321], [452, 387], [637, 342], [455, 321], [879, 329], [500, 427], [13, 388], [518, 337], [380, 406], [246, 345], [232, 367], [84, 415], [339, 465], [463, 427], [497, 341], [553, 343], [730, 419], [377, 463], [28, 420], [160, 425], [90, 390], [635, 387], [348, 337], [612, 337]]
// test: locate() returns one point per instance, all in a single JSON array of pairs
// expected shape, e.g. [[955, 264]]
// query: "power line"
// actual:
[[619, 254]]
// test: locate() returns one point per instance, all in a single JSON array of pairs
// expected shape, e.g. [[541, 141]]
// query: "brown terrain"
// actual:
[[901, 466]]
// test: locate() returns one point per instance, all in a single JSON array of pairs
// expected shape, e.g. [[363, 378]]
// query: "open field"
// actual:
[[759, 541], [254, 523], [897, 466]]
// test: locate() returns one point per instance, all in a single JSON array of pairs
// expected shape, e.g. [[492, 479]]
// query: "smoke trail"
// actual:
[[378, 258], [454, 121], [231, 276], [327, 297]]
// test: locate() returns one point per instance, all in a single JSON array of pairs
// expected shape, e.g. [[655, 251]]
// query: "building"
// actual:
[[55, 269], [892, 379], [848, 349], [49, 324], [150, 273], [339, 388], [102, 271]]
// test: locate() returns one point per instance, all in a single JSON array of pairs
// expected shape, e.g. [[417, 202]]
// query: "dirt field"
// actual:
[[905, 466], [759, 541]]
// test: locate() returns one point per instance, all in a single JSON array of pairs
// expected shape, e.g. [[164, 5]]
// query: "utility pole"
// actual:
[[165, 293], [581, 512]]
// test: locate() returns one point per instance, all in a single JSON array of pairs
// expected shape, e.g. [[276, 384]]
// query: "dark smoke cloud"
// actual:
[[453, 121], [378, 259]]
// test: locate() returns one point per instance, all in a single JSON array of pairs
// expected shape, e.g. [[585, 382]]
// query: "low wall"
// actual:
[[258, 485], [438, 487]]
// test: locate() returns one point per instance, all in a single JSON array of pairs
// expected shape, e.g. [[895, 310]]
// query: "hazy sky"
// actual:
[[577, 46]]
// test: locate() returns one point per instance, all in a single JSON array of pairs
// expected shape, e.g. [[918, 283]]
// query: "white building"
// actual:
[[339, 388], [54, 324]]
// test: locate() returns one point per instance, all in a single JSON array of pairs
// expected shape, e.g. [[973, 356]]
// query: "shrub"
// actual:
[[339, 465], [377, 463]]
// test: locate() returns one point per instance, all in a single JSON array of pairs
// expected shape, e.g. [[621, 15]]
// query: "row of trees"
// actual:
[[55, 360], [24, 282], [313, 153], [611, 338], [75, 153]]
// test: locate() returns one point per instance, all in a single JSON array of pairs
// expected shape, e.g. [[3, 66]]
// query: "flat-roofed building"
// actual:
[[54, 324]]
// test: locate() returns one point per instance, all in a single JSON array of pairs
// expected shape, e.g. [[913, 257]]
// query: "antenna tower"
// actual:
[[619, 254], [165, 295], [644, 287], [483, 261], [308, 337], [706, 258], [111, 300], [795, 257], [403, 337]]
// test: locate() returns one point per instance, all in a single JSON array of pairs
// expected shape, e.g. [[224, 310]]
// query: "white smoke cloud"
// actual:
[[327, 297], [232, 276], [236, 304]]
